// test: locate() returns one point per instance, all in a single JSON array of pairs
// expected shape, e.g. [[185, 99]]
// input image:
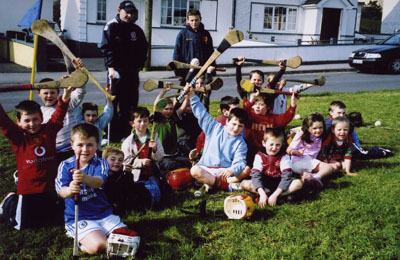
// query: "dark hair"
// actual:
[[259, 72], [338, 104], [85, 131], [307, 123], [29, 107], [193, 12], [47, 80], [140, 112], [227, 101], [239, 113], [89, 106]]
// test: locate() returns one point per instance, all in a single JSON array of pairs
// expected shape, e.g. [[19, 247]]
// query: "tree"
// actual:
[[371, 16]]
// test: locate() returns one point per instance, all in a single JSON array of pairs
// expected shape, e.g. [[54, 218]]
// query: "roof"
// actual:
[[312, 2]]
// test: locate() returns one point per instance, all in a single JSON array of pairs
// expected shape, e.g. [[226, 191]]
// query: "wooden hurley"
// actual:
[[231, 38], [247, 86], [152, 84], [43, 28], [317, 82], [293, 63], [174, 65], [76, 79]]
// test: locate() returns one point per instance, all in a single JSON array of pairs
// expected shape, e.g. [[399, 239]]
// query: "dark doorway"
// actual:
[[330, 24]]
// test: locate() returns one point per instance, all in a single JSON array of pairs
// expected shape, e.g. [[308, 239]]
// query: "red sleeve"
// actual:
[[282, 120], [247, 105], [57, 118], [8, 127], [200, 142]]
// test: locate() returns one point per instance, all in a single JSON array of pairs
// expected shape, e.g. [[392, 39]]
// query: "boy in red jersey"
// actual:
[[34, 146], [260, 118]]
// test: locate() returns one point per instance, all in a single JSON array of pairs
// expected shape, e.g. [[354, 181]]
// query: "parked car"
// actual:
[[384, 56]]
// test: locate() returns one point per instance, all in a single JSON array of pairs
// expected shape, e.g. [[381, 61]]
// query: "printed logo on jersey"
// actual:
[[205, 39], [133, 36], [39, 151], [82, 224], [36, 140]]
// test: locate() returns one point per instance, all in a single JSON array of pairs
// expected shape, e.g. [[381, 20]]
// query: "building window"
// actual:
[[280, 18], [101, 10], [173, 12]]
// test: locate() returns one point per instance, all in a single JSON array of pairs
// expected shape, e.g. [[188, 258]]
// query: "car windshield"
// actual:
[[394, 40]]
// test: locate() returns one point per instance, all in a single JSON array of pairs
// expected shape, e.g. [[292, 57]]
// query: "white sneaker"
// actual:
[[4, 200], [235, 186]]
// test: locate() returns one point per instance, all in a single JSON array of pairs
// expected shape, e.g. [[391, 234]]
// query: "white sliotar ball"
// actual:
[[297, 116], [197, 194], [378, 123]]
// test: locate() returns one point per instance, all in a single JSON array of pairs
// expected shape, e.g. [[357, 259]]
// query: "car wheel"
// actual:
[[394, 65]]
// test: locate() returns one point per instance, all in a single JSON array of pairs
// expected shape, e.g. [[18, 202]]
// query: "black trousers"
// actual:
[[126, 90]]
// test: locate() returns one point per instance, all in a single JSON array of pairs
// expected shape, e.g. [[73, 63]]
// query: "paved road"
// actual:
[[336, 82]]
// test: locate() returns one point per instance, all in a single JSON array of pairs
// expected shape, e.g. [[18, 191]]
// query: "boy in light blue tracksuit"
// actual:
[[224, 153]]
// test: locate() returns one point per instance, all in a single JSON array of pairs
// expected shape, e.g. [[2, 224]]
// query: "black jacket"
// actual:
[[123, 45]]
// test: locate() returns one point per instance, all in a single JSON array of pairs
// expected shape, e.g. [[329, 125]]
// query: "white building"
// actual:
[[390, 16]]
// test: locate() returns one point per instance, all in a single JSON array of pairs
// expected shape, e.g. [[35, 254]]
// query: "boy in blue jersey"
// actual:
[[224, 153], [95, 219]]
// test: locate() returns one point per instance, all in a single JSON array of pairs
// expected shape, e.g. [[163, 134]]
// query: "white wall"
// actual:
[[390, 16], [12, 11], [309, 53]]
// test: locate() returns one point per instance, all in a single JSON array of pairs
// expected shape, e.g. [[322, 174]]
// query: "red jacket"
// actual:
[[257, 124]]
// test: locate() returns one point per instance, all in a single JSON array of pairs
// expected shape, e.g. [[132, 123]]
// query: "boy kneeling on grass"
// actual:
[[95, 218], [224, 153]]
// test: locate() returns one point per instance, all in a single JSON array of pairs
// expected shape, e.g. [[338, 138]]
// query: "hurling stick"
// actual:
[[247, 86], [174, 65], [76, 79], [75, 250], [293, 63], [317, 82], [42, 28], [231, 38], [152, 84], [158, 107]]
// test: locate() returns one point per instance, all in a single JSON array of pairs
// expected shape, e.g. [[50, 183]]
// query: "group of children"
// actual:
[[58, 153]]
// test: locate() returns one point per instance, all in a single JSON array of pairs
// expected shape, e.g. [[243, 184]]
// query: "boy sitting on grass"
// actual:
[[271, 174], [224, 153], [34, 146], [95, 218], [143, 166], [122, 191]]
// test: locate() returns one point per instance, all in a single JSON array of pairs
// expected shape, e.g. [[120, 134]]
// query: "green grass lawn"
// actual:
[[351, 218]]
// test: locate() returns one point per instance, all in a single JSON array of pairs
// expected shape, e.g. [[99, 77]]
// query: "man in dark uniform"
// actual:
[[124, 48]]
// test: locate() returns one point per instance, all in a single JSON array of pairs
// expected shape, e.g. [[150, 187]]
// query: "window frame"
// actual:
[[169, 5], [277, 23], [99, 4]]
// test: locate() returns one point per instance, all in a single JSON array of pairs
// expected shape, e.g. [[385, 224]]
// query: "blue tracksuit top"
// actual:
[[220, 149], [93, 203], [190, 44]]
